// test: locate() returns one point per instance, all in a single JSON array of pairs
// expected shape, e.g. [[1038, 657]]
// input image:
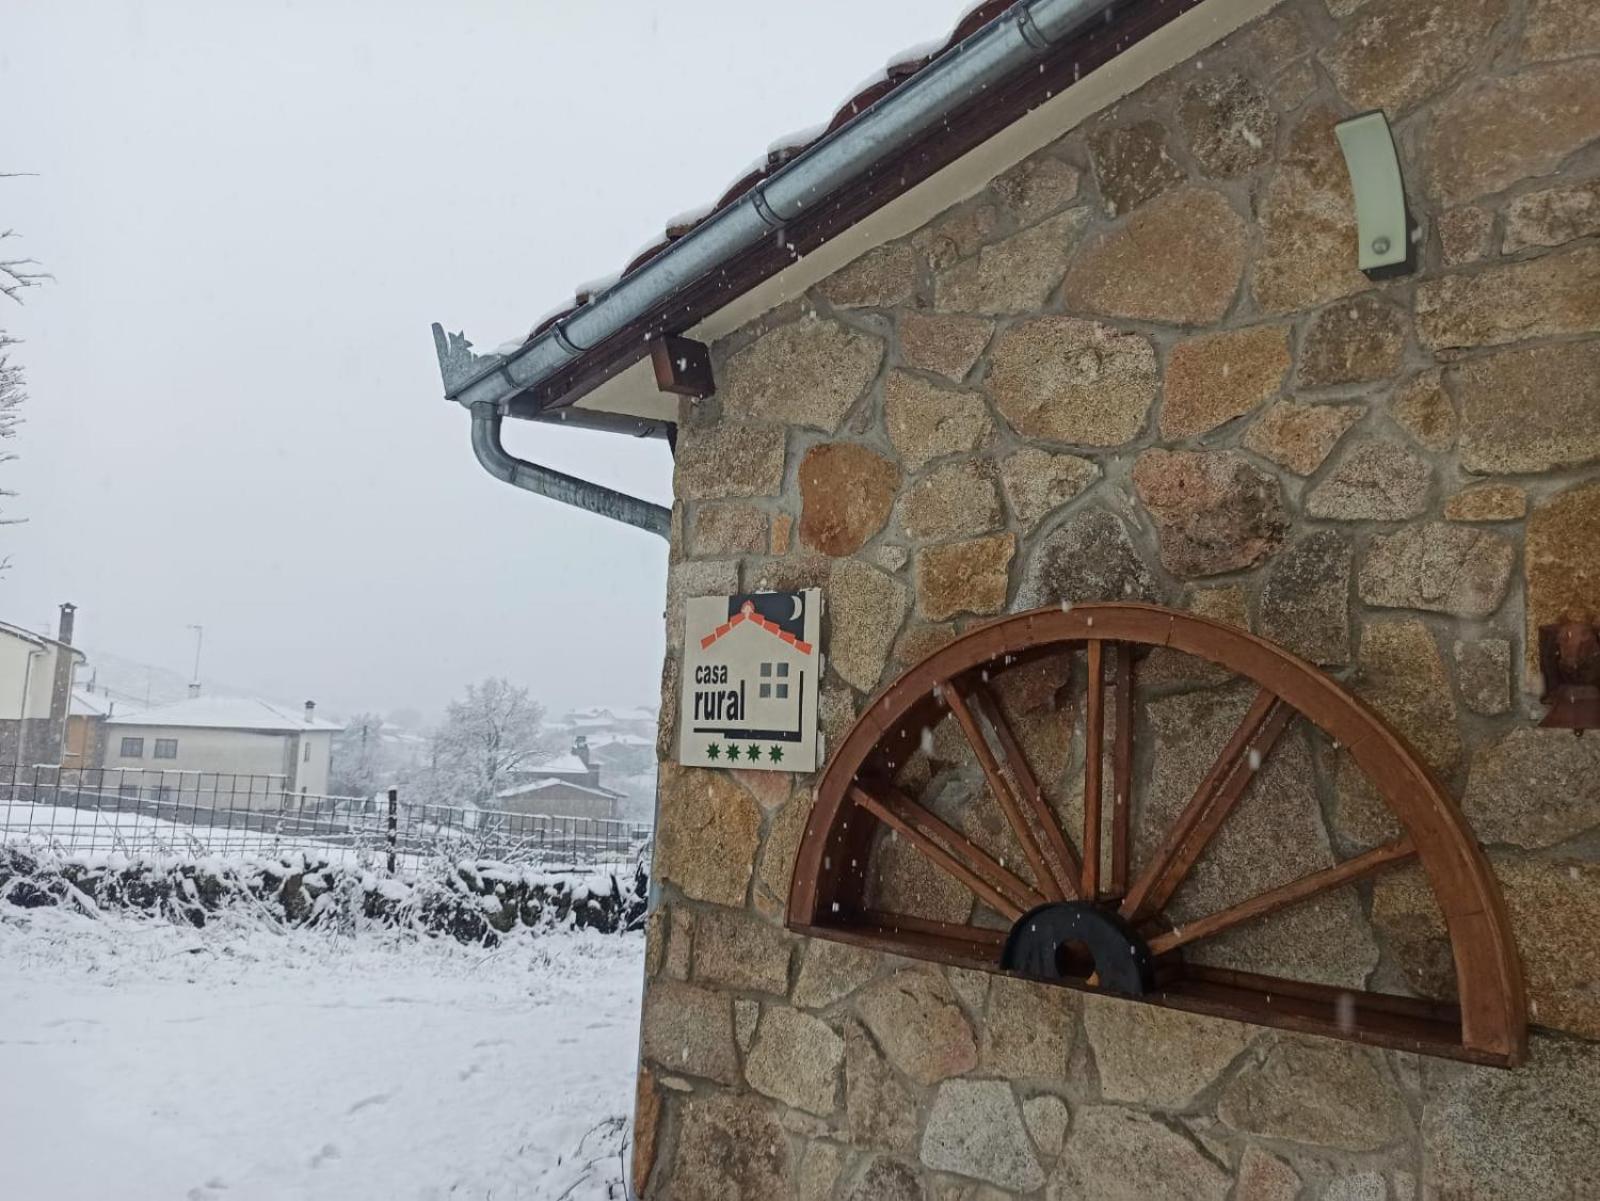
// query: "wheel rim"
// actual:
[[1097, 865]]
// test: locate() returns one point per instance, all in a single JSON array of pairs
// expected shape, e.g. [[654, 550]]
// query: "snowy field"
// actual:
[[133, 832], [142, 1061]]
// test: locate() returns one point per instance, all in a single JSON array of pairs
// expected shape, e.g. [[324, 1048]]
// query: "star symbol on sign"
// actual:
[[733, 751], [713, 751], [776, 754]]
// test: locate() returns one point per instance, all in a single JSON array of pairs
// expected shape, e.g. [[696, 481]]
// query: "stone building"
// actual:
[[566, 786], [1119, 349]]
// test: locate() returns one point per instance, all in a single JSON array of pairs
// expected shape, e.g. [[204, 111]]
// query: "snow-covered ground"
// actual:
[[132, 832], [143, 1061]]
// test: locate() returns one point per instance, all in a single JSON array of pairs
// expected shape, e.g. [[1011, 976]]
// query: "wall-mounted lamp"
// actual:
[[1569, 656], [1383, 226]]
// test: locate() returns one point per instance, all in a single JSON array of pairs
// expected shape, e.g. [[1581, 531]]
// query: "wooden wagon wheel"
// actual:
[[1085, 915]]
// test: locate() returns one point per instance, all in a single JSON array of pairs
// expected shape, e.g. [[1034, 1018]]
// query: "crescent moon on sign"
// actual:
[[799, 608]]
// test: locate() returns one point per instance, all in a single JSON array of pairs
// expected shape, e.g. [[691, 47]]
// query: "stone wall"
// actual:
[[470, 901], [1142, 364]]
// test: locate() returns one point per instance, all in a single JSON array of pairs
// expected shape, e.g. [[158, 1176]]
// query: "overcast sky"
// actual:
[[253, 211]]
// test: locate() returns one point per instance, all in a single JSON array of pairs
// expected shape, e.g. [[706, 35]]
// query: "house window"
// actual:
[[133, 748], [769, 672], [166, 748], [306, 758]]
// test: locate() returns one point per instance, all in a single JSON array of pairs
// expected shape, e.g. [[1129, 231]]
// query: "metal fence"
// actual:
[[220, 813]]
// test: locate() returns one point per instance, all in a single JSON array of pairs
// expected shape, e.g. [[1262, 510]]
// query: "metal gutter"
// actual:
[[1024, 34]]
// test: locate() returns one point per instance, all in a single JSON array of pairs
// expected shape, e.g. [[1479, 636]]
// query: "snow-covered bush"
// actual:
[[472, 901]]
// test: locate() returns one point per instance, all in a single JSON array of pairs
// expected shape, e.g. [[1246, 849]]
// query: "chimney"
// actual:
[[311, 712], [580, 748], [60, 690], [194, 690]]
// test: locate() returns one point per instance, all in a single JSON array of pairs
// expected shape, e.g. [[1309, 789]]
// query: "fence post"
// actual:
[[394, 799]]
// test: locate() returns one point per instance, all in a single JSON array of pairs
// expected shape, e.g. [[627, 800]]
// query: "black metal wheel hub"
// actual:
[[1122, 959]]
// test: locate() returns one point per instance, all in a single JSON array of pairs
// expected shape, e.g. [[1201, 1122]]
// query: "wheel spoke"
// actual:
[[1064, 865], [1292, 893], [1001, 789], [1056, 872], [947, 848], [1094, 723], [1122, 771], [1221, 789]]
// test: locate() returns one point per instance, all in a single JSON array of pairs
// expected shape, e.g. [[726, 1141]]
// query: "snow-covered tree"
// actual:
[[16, 275], [487, 735], [360, 765]]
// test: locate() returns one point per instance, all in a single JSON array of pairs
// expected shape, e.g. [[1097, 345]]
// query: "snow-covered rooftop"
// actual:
[[568, 764], [606, 740], [36, 638], [601, 716], [89, 704], [541, 785], [225, 713]]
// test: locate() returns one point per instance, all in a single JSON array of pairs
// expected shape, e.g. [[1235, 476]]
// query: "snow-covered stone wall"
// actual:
[[471, 901]]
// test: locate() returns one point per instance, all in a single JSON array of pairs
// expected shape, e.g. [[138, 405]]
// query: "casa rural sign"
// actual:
[[750, 671]]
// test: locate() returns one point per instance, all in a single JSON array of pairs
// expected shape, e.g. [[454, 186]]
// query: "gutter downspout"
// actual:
[[546, 481], [484, 383]]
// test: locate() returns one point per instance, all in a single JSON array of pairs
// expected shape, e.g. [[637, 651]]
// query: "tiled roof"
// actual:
[[900, 69], [747, 613]]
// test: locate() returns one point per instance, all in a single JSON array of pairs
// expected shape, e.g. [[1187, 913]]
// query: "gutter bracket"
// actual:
[[682, 366]]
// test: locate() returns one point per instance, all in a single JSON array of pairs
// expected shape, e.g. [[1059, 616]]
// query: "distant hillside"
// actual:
[[137, 685]]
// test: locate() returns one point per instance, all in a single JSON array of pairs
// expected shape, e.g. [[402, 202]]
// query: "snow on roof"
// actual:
[[568, 764], [89, 704], [902, 67], [38, 639], [18, 632], [620, 740], [541, 785], [225, 713]]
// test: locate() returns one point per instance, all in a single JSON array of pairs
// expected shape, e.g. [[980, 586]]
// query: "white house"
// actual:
[[599, 721], [36, 679], [264, 754]]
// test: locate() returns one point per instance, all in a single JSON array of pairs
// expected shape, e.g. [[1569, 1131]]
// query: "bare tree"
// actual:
[[487, 735], [16, 276]]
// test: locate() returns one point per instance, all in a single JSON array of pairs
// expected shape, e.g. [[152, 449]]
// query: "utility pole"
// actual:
[[199, 639]]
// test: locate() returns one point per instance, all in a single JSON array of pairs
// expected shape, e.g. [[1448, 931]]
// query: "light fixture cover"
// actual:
[[1383, 227]]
